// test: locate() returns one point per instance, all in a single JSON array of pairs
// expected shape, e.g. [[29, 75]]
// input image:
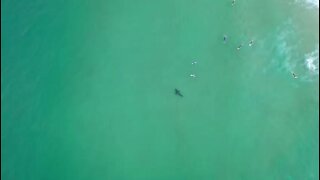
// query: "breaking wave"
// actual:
[[312, 61]]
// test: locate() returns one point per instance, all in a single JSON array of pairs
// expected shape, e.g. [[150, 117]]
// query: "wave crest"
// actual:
[[312, 61], [309, 3]]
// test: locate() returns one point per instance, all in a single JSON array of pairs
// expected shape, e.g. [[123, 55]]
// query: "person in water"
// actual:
[[239, 47], [251, 43], [178, 93], [193, 75], [294, 75], [225, 38], [233, 2]]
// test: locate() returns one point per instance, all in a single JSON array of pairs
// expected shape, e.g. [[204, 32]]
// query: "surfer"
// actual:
[[294, 75], [233, 2], [239, 47], [178, 93], [225, 38], [251, 43]]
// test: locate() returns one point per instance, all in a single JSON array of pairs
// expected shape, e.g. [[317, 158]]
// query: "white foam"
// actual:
[[288, 57], [309, 3], [285, 50], [312, 61], [314, 3]]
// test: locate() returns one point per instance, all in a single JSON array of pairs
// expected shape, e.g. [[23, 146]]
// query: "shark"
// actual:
[[178, 93]]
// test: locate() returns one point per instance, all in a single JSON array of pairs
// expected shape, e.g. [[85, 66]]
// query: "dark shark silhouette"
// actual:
[[178, 93]]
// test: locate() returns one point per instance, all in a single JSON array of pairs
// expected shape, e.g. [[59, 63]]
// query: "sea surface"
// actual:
[[87, 90]]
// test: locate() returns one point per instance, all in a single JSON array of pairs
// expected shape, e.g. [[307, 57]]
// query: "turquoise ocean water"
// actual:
[[87, 90]]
